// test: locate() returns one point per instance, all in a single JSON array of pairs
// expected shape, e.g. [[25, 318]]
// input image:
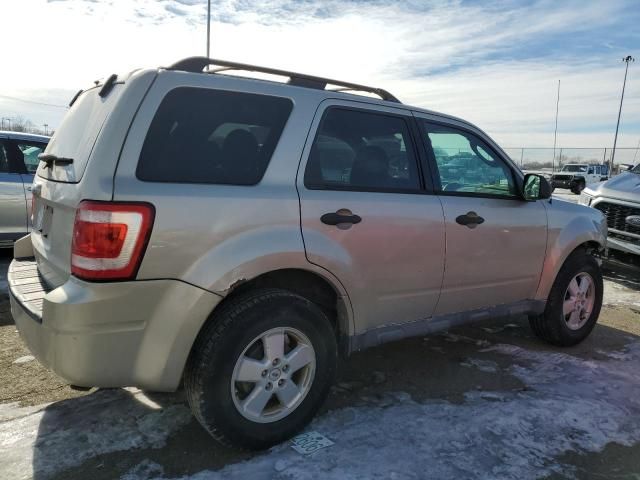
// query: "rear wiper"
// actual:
[[52, 160]]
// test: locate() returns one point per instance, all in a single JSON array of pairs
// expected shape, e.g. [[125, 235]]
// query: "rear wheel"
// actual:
[[574, 303], [261, 368]]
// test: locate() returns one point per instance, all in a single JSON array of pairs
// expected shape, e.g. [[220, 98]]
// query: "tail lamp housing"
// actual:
[[109, 239]]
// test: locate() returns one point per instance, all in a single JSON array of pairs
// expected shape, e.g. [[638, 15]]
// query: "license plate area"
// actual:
[[43, 218]]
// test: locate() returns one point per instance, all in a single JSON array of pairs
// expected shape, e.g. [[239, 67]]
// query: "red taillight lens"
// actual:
[[109, 239]]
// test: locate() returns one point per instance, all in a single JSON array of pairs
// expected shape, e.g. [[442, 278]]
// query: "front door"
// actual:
[[366, 215], [495, 241]]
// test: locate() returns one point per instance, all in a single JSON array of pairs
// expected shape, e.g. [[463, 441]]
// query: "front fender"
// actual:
[[570, 226]]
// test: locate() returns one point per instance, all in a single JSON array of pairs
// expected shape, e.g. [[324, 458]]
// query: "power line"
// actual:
[[32, 101]]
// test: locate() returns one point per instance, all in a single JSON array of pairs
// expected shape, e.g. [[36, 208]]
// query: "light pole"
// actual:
[[555, 133], [208, 27], [46, 132], [626, 60]]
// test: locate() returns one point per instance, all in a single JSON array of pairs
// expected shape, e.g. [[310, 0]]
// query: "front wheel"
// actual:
[[577, 189], [261, 368], [574, 302]]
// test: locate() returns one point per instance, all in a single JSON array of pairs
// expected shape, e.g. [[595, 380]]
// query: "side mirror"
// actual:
[[535, 187]]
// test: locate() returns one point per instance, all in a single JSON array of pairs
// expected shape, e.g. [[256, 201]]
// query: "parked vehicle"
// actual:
[[18, 162], [576, 176], [619, 200], [238, 234]]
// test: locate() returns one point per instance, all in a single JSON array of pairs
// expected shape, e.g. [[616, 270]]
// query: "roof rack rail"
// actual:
[[198, 64]]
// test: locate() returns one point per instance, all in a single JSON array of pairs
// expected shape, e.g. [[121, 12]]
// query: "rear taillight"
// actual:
[[109, 239]]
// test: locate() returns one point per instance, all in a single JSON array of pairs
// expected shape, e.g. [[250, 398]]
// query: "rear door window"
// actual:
[[212, 136], [362, 151], [29, 151], [4, 158]]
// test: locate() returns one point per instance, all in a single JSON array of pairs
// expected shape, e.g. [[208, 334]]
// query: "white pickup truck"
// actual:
[[576, 176]]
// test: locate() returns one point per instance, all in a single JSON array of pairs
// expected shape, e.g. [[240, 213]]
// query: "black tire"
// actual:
[[551, 325], [231, 329], [578, 187]]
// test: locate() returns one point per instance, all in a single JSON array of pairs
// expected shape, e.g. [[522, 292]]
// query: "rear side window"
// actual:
[[362, 151], [212, 136]]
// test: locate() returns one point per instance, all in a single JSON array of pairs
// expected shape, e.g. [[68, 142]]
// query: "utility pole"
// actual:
[[208, 27], [555, 133], [626, 60]]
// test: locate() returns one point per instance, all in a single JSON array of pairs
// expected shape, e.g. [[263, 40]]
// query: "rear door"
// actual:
[[366, 213], [13, 207], [496, 241]]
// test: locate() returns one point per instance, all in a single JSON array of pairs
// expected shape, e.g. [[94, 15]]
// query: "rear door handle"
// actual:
[[470, 220], [341, 216]]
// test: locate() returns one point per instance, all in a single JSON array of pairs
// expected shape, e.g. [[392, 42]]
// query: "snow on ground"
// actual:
[[569, 405], [41, 441], [617, 294]]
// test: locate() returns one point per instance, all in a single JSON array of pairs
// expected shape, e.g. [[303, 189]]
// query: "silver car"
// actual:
[[18, 163], [237, 234], [619, 199]]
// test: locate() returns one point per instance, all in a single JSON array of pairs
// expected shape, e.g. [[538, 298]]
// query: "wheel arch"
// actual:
[[319, 287], [556, 259]]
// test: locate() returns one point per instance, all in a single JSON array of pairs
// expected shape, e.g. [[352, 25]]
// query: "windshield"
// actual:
[[636, 169], [574, 168]]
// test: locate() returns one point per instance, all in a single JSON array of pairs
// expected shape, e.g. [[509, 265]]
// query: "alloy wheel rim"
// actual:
[[579, 299], [273, 375]]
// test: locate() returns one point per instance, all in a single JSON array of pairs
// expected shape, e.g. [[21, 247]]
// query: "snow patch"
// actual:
[[486, 366], [616, 294], [569, 405], [25, 359], [41, 441]]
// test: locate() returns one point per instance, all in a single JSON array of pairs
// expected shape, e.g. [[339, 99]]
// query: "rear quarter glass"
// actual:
[[212, 136]]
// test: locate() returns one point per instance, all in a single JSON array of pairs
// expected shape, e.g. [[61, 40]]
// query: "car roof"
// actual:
[[24, 136]]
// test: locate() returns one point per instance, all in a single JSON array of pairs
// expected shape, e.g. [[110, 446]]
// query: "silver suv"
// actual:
[[238, 234]]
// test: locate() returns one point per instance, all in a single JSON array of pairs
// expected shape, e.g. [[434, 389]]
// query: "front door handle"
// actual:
[[470, 220], [341, 216]]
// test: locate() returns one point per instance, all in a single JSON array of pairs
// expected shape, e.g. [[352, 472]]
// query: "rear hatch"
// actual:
[[60, 184]]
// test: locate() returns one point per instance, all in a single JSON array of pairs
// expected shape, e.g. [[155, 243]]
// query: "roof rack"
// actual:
[[198, 64]]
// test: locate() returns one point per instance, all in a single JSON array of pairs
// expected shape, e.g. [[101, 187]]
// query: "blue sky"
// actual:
[[494, 63]]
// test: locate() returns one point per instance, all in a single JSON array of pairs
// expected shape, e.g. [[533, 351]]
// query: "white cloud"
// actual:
[[444, 55]]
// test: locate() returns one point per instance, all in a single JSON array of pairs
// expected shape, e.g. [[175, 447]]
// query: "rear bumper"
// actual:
[[110, 334]]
